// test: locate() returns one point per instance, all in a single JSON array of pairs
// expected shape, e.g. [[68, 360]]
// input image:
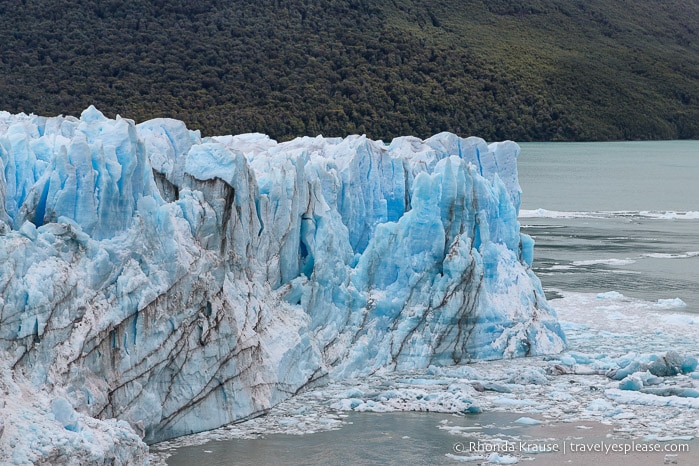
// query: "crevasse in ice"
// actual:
[[180, 283]]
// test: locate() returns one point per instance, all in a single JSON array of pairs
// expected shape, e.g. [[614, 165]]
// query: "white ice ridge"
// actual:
[[180, 283]]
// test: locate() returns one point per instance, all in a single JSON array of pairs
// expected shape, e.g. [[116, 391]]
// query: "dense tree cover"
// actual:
[[499, 69]]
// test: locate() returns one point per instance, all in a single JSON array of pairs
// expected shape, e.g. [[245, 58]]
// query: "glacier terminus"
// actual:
[[154, 283]]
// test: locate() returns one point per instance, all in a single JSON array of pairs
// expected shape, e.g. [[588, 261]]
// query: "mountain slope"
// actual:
[[533, 70]]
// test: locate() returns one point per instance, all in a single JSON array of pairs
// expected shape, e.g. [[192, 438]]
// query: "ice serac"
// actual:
[[180, 283]]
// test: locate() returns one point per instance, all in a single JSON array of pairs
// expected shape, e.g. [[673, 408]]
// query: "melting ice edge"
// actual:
[[154, 283]]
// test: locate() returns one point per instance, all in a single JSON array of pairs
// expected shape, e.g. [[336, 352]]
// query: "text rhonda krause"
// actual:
[[570, 447]]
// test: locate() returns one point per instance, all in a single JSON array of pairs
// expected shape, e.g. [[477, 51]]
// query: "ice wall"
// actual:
[[180, 283]]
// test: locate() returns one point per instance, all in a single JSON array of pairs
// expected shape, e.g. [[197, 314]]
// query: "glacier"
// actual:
[[154, 283]]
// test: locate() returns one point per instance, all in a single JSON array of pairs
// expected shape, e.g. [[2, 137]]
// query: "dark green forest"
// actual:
[[538, 70]]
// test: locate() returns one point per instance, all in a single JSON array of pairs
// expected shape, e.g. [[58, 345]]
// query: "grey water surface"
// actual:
[[620, 216]]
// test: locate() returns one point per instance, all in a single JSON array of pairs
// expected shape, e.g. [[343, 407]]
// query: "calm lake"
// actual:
[[621, 216]]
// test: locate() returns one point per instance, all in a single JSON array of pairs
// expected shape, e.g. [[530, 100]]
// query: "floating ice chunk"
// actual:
[[497, 458], [671, 303], [581, 358], [667, 365], [600, 404], [680, 319], [491, 386], [631, 382], [530, 376], [672, 363], [528, 421], [672, 391], [648, 399], [610, 295], [349, 404], [352, 393], [512, 402], [568, 360]]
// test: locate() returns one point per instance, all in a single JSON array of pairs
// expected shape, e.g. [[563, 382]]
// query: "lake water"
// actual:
[[366, 439], [610, 220], [620, 216]]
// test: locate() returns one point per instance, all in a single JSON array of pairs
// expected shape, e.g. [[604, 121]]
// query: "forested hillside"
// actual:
[[499, 69]]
